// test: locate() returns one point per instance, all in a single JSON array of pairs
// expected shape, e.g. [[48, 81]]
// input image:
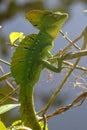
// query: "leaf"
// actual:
[[42, 125], [16, 35], [6, 108], [2, 126], [85, 11], [18, 122]]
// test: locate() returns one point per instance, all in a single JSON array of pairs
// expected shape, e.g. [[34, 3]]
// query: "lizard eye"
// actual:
[[56, 16]]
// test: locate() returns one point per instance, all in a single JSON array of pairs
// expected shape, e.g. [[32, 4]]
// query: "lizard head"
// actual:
[[48, 21]]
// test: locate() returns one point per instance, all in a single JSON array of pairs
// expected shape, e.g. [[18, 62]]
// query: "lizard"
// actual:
[[30, 58]]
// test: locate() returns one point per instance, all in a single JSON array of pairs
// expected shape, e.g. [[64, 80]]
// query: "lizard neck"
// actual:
[[44, 40], [45, 36]]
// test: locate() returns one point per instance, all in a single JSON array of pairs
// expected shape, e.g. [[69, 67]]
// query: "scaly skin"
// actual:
[[29, 60]]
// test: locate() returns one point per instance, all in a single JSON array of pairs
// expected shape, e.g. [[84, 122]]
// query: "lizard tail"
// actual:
[[27, 111]]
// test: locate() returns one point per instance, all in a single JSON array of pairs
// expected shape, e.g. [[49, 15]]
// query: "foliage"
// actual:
[[15, 36], [2, 126], [6, 108]]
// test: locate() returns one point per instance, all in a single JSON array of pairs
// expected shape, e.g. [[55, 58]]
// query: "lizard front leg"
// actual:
[[50, 66]]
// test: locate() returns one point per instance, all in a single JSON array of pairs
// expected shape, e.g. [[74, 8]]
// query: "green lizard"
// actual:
[[30, 58]]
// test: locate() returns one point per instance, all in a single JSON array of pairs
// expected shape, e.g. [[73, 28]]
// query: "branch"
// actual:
[[8, 95], [70, 41], [77, 102], [5, 76], [5, 62], [77, 67]]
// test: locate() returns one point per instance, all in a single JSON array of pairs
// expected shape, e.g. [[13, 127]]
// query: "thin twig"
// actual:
[[5, 62], [45, 122], [10, 97], [80, 99], [77, 102], [75, 55], [7, 82], [70, 41], [5, 76], [7, 96], [69, 56], [77, 67]]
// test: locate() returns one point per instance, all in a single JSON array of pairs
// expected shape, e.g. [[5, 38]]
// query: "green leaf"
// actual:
[[7, 107], [18, 122], [16, 35], [2, 126], [42, 125]]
